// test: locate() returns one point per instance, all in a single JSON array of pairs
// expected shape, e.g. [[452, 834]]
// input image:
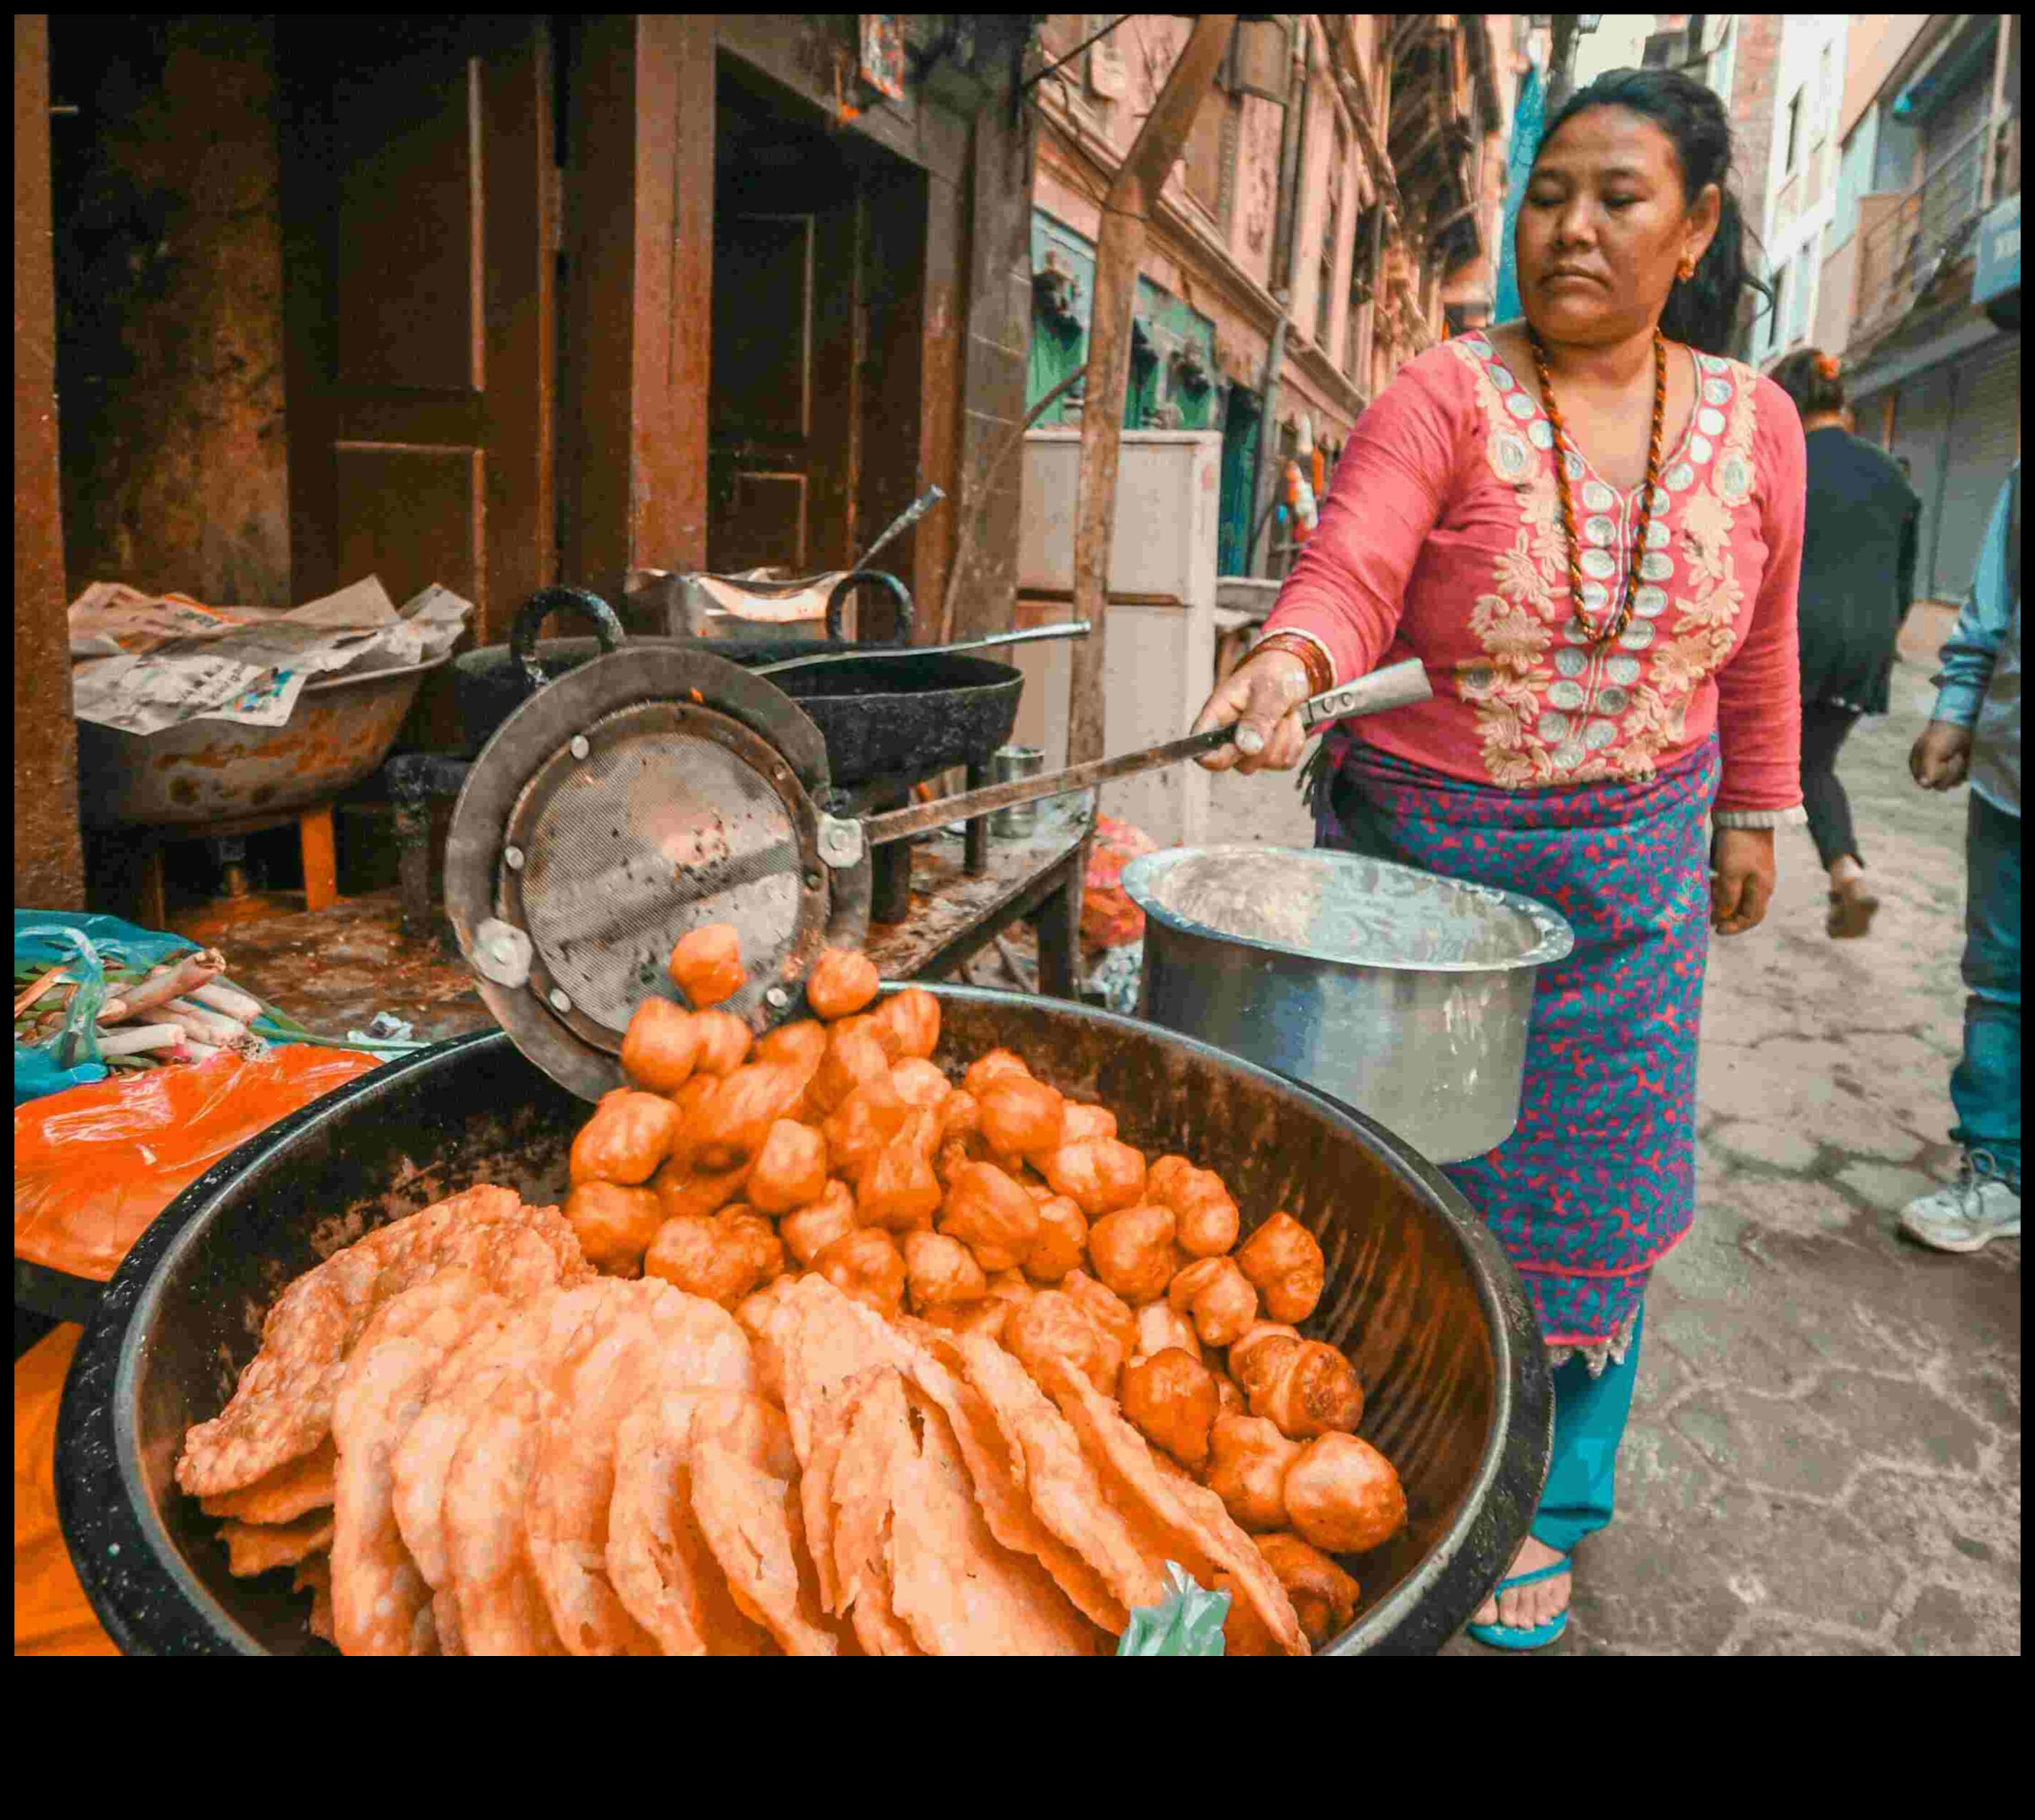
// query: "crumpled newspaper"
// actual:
[[141, 662], [1117, 977]]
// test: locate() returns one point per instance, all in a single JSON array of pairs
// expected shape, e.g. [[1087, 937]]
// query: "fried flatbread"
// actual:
[[314, 1576], [284, 1495], [281, 1409], [252, 1548], [869, 1427]]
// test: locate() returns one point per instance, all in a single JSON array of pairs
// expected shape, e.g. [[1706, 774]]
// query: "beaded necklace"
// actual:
[[1622, 617]]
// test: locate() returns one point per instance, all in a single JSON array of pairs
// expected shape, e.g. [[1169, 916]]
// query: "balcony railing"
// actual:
[[1898, 256]]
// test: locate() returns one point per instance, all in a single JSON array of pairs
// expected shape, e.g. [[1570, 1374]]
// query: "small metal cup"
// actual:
[[1006, 764]]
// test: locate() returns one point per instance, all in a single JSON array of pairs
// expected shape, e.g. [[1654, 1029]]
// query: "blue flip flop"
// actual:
[[1525, 1637]]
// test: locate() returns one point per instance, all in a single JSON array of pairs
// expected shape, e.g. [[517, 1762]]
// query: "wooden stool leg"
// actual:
[[1060, 931], [975, 845], [152, 910], [321, 858]]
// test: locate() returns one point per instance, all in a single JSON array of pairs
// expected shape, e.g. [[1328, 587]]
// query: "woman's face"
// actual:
[[1605, 227]]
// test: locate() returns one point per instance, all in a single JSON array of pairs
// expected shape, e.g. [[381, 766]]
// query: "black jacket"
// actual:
[[1859, 547]]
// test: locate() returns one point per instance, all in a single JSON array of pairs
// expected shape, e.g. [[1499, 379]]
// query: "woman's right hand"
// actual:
[[1258, 699], [1941, 756]]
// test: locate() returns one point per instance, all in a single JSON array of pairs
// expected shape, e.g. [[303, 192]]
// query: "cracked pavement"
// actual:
[[1824, 1451]]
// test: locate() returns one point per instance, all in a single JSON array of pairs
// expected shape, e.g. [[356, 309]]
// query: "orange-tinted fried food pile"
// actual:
[[827, 1354]]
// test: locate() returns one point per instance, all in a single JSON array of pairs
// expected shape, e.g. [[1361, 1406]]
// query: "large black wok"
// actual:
[[1419, 1296]]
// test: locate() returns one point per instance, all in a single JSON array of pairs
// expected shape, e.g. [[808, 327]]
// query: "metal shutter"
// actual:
[[1921, 418], [1985, 437]]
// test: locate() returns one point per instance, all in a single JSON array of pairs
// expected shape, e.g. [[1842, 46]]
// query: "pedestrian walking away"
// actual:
[[1860, 538], [1974, 731], [1587, 526]]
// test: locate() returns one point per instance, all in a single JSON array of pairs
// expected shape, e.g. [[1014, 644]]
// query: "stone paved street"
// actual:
[[1824, 1451]]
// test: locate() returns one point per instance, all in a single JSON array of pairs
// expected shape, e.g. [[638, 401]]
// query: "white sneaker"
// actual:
[[1962, 1217]]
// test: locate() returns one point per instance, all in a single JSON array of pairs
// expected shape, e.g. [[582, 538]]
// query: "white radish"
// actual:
[[172, 980], [223, 995], [212, 1026], [138, 1039], [201, 1052]]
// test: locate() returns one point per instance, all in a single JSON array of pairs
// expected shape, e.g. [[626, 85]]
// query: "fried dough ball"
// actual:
[[1171, 1400], [791, 1168], [1248, 1462], [961, 1115], [1202, 1206], [614, 1224], [990, 1316], [853, 1058], [1021, 1116], [1100, 1176], [765, 1316], [1079, 1123], [991, 1215], [1159, 1327], [724, 1041], [920, 1132], [1302, 1386], [798, 1046], [660, 1045], [1132, 1251], [1234, 1402], [1110, 1314], [1216, 1296], [688, 1099], [1324, 1597], [626, 1138], [862, 1125], [1284, 1262], [994, 1066], [920, 1083], [842, 982], [866, 1267], [683, 1191], [1343, 1495], [723, 1259], [907, 1024], [730, 1127], [1053, 1327], [706, 965], [938, 1268], [1062, 1240], [811, 1230], [1240, 1348], [898, 1191]]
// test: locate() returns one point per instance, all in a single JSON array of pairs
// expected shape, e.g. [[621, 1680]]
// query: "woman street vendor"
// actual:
[[1587, 526]]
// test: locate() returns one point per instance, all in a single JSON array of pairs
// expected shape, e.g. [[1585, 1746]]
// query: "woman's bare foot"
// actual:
[[1526, 1606]]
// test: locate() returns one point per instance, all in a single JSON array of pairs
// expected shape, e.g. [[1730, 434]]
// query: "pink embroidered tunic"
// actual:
[[1442, 539]]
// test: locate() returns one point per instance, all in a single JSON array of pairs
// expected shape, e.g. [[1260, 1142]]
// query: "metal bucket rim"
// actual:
[[1142, 876]]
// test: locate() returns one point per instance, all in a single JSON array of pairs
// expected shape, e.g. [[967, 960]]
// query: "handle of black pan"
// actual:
[[901, 598], [530, 617]]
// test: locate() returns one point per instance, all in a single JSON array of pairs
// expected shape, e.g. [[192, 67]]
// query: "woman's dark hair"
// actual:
[[1701, 310], [1813, 379]]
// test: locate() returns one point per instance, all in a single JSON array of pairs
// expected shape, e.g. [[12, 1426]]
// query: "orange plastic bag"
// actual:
[[1108, 917], [93, 1165], [52, 1616]]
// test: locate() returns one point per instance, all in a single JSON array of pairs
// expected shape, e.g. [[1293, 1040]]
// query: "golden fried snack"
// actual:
[[729, 1129], [725, 1042], [765, 1316], [1108, 1310], [842, 982], [1159, 1327], [1132, 1251], [799, 1046], [721, 1259], [791, 1169], [866, 1267], [706, 965], [1171, 1398], [658, 1562], [1052, 1325], [282, 1496], [920, 1132], [1302, 1387], [1021, 1116], [1216, 1296], [811, 1230], [869, 1119], [1343, 1495], [961, 1116], [851, 1058], [1253, 1336], [989, 1316], [996, 1064], [938, 1268], [991, 1215], [626, 1138], [1284, 1262], [908, 1024], [1233, 1401], [281, 1409], [502, 1608], [252, 1548], [1206, 1214], [865, 1436], [660, 1045], [1248, 1462], [614, 1224], [314, 1576], [898, 1191], [688, 1100], [1080, 1124], [920, 1083], [1324, 1597], [1062, 1241], [1100, 1176]]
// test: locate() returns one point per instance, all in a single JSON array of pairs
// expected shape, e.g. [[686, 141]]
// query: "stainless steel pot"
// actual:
[[1405, 995]]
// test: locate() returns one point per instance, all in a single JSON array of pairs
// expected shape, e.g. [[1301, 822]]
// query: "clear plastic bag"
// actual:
[[87, 948], [1187, 1621]]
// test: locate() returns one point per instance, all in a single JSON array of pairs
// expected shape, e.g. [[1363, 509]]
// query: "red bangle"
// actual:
[[1321, 676]]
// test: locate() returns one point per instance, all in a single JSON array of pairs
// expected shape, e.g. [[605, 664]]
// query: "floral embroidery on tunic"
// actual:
[[1551, 708]]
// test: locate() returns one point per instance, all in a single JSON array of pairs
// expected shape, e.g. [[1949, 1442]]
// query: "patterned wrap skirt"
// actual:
[[1598, 1178]]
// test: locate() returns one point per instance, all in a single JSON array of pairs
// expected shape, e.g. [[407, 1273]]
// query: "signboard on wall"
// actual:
[[1999, 267]]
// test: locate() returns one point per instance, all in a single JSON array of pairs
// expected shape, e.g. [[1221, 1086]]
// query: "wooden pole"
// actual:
[[1131, 196]]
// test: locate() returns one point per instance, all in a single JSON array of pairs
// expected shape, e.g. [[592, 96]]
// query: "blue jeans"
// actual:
[[1590, 1422], [1986, 1088]]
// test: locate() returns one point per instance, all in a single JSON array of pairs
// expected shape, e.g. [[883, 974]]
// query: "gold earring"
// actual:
[[1688, 270]]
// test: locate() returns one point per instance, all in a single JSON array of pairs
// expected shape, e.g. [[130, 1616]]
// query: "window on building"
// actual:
[[1360, 282], [1798, 297], [1209, 163], [1777, 316], [1794, 141], [1331, 227]]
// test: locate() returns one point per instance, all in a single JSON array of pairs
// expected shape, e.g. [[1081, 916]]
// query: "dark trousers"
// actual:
[[1825, 728]]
